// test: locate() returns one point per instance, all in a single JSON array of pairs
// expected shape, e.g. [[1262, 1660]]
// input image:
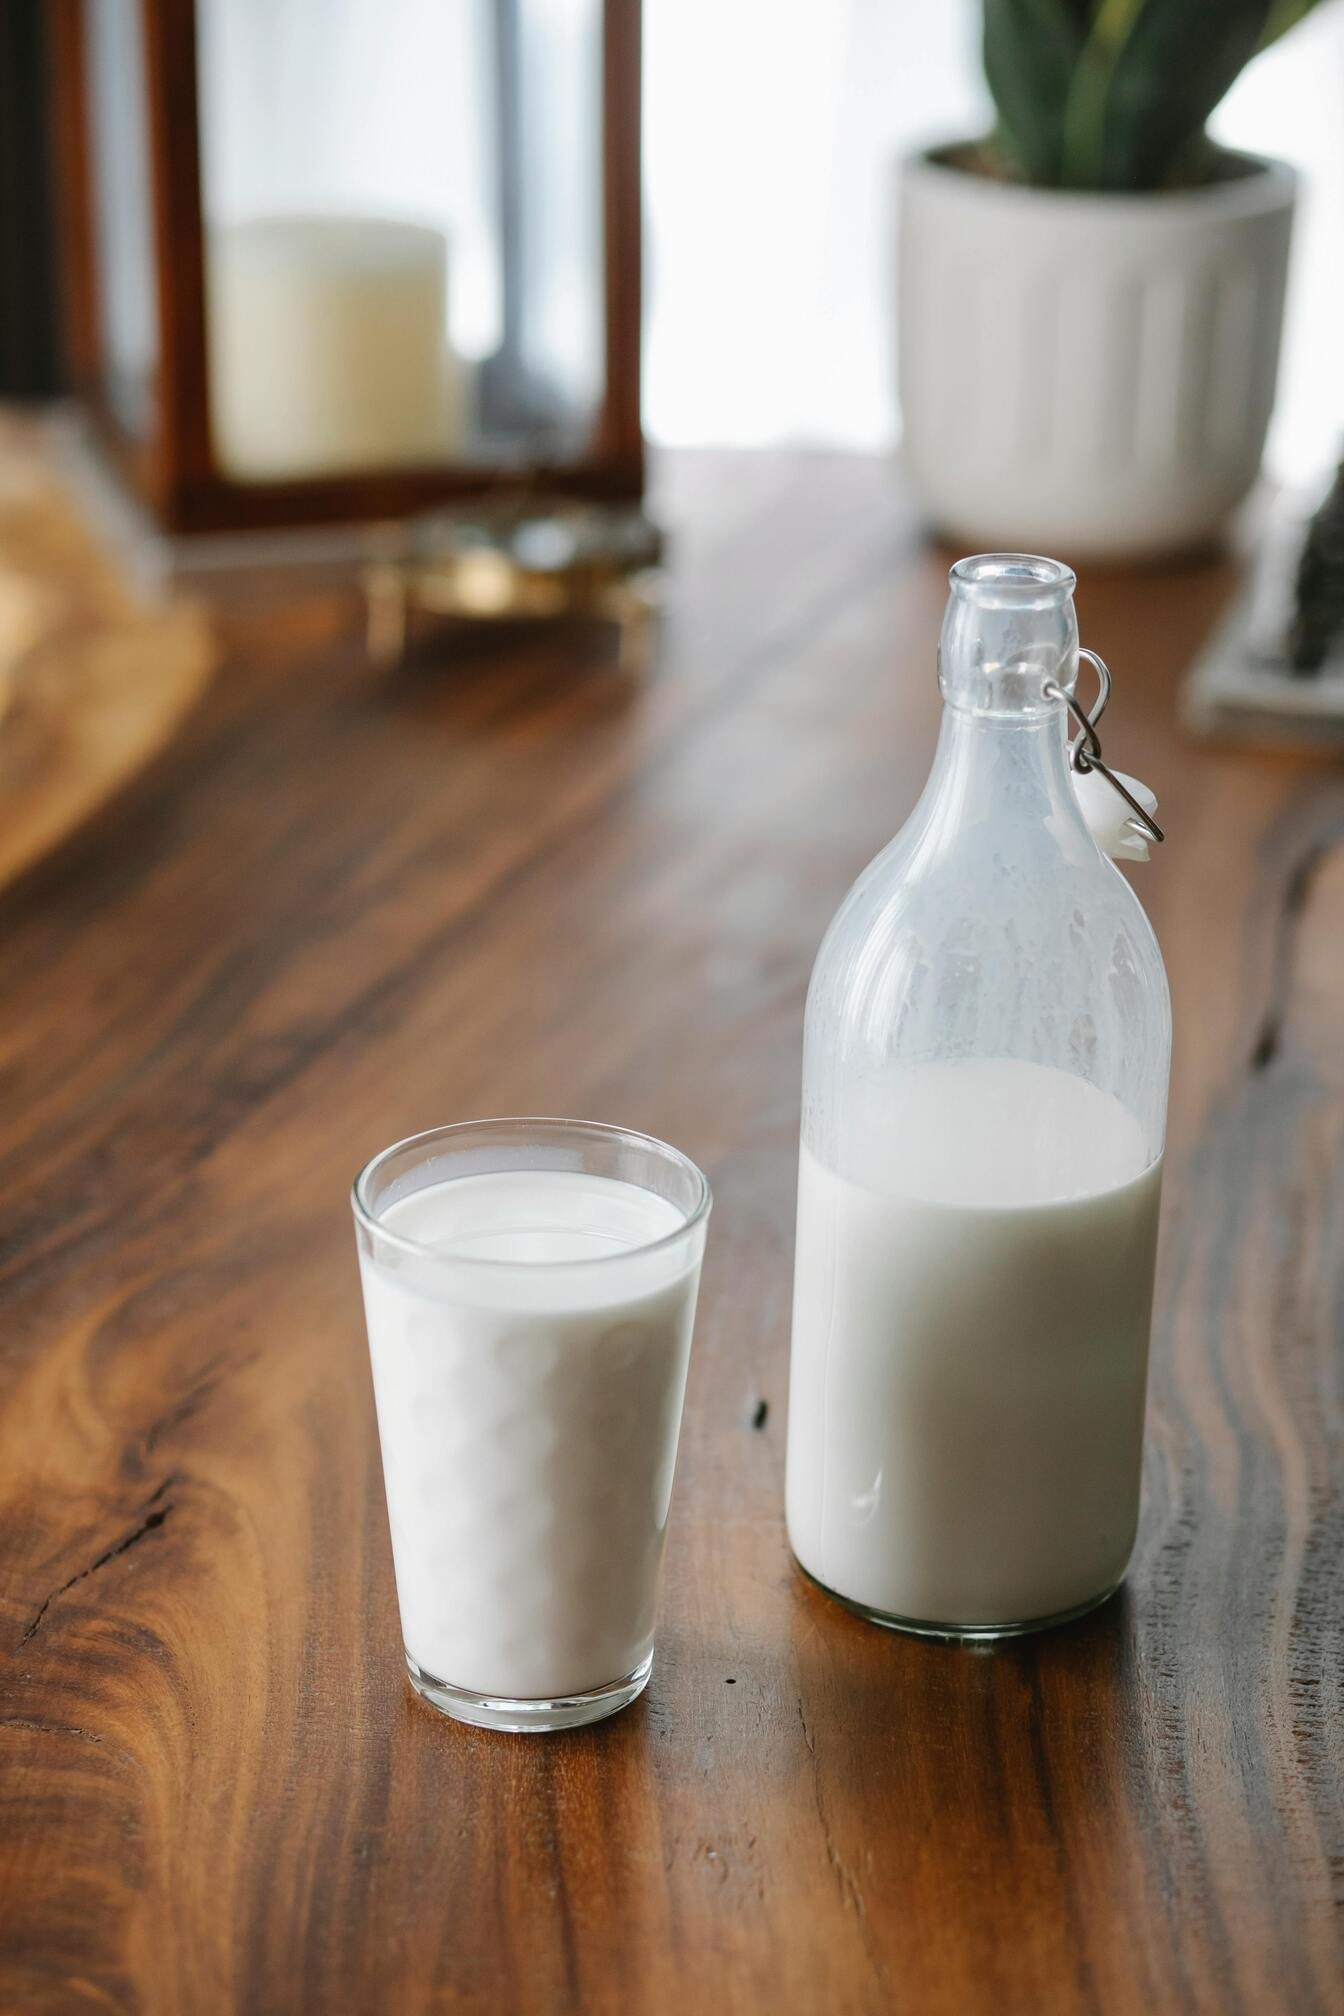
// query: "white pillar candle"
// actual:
[[327, 346]]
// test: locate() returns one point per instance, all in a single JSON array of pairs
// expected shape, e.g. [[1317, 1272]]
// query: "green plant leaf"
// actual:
[[1114, 94], [1083, 143], [1147, 79], [1031, 48]]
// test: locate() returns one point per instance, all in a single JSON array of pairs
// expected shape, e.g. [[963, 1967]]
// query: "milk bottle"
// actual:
[[984, 1094]]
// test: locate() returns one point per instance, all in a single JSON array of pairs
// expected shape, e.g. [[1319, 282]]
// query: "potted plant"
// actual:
[[1091, 298]]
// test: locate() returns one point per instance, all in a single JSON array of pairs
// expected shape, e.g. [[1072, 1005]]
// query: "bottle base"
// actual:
[[520, 1717], [966, 1634]]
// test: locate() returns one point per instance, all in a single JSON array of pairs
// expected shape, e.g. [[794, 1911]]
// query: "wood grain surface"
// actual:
[[504, 879]]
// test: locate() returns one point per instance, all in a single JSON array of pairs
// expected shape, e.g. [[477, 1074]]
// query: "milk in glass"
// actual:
[[529, 1331]]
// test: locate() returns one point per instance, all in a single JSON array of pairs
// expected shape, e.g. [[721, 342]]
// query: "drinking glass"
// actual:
[[530, 1289]]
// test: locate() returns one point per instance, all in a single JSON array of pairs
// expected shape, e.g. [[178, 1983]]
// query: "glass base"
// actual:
[[498, 1711], [969, 1634]]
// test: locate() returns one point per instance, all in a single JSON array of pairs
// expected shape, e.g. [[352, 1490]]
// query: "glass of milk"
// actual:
[[530, 1288], [986, 1055]]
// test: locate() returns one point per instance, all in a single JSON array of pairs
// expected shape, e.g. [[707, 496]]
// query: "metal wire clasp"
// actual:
[[1085, 749]]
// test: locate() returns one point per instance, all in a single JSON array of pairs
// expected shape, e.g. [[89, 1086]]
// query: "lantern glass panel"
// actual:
[[122, 212], [403, 217]]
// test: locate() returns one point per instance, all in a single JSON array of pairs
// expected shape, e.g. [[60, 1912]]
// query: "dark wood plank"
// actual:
[[30, 348], [353, 905]]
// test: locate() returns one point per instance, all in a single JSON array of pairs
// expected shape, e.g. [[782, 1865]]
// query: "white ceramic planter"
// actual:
[[1087, 375]]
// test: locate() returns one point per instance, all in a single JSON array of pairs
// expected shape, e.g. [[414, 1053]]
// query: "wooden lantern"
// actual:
[[173, 353]]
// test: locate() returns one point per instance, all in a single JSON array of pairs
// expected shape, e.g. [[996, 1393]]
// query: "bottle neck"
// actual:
[[1008, 651], [1008, 635]]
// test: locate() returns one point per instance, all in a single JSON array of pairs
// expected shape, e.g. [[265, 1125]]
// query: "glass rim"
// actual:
[[1012, 580], [420, 1249]]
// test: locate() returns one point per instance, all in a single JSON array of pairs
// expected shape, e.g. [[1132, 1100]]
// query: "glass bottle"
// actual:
[[986, 1058]]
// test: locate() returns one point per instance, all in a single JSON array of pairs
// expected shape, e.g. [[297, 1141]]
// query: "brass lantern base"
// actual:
[[527, 557], [520, 560]]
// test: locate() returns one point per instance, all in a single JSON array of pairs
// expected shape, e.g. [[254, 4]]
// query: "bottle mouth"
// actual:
[[1019, 581], [1009, 633]]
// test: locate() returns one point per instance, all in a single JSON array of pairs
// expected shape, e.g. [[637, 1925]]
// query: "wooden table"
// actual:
[[349, 905]]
